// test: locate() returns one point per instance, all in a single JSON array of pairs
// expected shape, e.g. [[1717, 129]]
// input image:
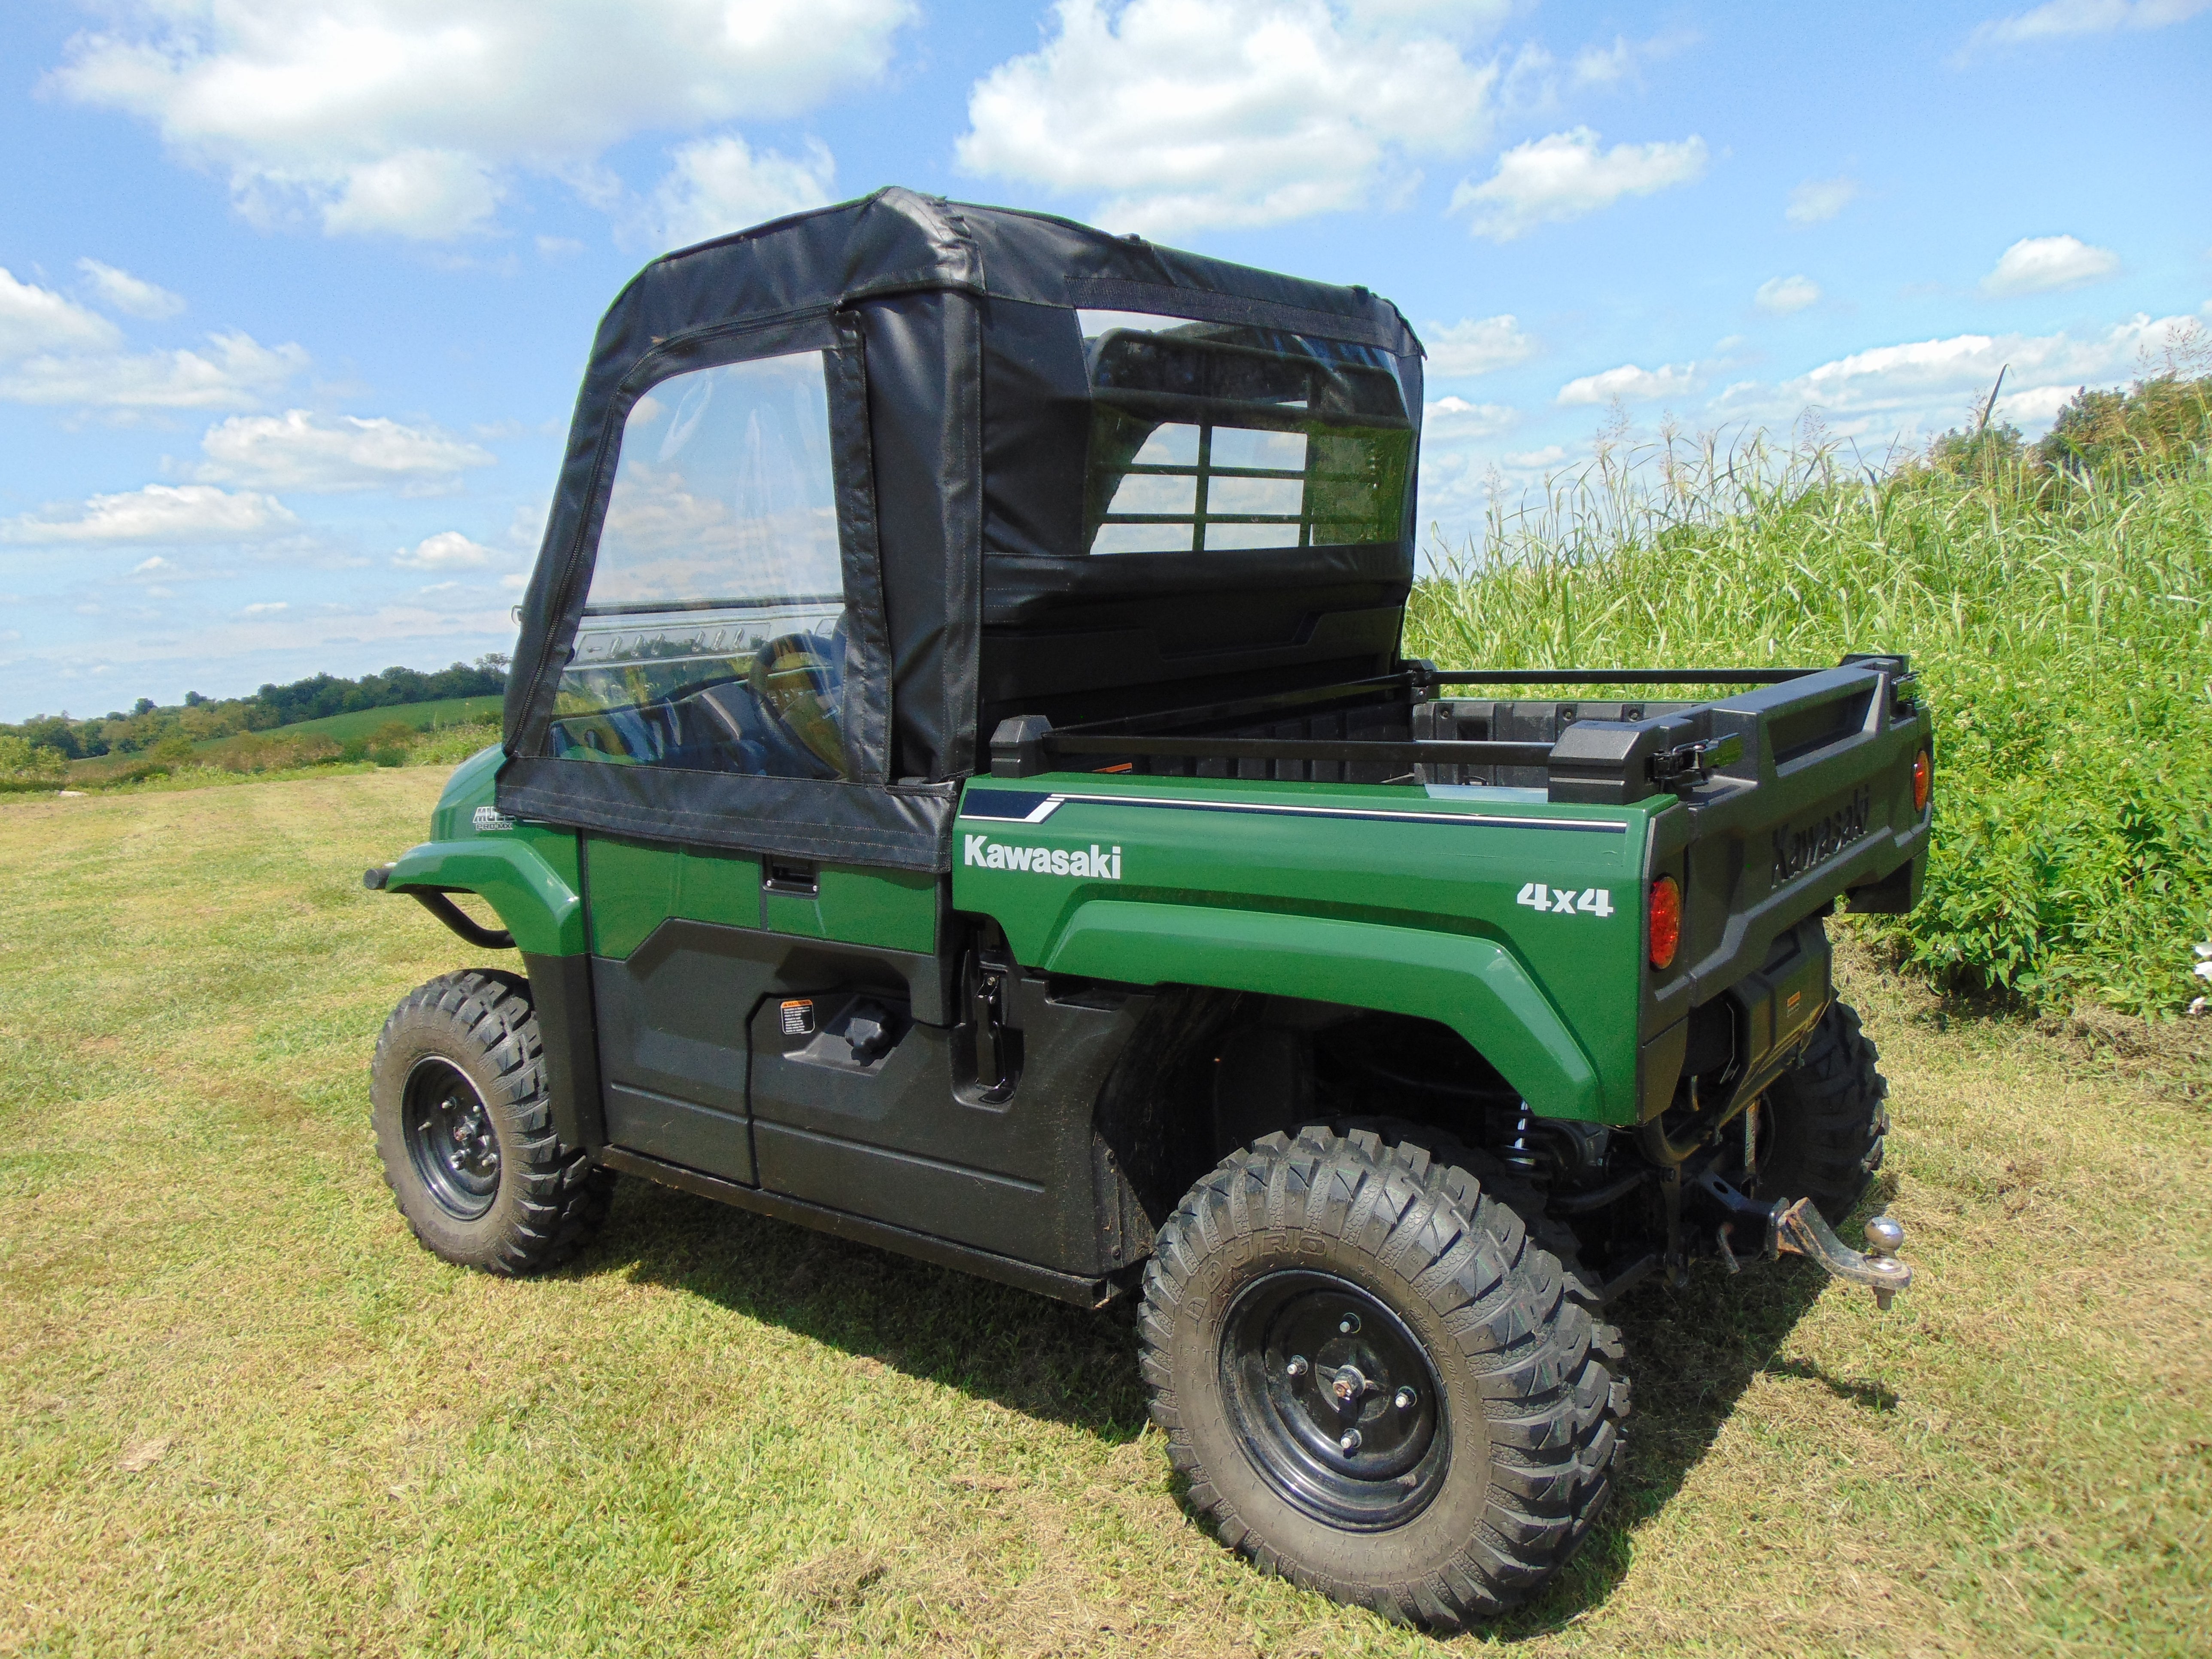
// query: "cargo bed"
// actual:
[[1796, 787]]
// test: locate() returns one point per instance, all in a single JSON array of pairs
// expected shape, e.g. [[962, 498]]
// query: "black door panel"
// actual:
[[672, 1027], [678, 1132]]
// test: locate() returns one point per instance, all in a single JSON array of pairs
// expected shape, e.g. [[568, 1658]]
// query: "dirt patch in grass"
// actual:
[[715, 1435]]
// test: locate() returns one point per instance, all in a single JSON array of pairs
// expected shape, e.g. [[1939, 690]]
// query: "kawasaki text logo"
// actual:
[[1099, 864], [1798, 851]]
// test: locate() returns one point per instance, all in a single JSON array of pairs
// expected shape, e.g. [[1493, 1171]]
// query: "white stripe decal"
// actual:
[[1482, 820]]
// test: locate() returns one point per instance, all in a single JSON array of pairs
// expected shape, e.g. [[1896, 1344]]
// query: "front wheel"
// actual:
[[1377, 1382], [464, 1127]]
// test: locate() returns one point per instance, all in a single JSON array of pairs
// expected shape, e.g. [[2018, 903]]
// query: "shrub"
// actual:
[[274, 753], [453, 744], [389, 744], [27, 765], [2158, 421]]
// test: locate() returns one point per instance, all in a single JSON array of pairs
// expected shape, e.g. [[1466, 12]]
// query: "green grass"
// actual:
[[244, 1414], [363, 722], [2062, 632]]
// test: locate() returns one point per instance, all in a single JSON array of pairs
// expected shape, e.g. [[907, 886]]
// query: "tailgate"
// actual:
[[1818, 804]]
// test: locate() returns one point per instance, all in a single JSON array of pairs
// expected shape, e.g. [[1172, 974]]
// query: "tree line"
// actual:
[[146, 724]]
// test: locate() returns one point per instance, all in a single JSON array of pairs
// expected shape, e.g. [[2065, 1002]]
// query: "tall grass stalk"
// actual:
[[2061, 626]]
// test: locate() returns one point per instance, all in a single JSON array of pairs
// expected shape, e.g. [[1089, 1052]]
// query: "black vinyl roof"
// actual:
[[897, 241]]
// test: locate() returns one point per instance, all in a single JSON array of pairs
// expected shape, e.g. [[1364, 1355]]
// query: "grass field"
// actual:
[[243, 1414], [282, 750], [361, 722]]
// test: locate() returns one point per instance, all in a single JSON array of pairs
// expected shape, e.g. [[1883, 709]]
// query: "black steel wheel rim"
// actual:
[[450, 1139], [1333, 1399]]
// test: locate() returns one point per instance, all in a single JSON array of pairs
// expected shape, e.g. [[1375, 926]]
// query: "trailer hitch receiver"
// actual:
[[1801, 1231]]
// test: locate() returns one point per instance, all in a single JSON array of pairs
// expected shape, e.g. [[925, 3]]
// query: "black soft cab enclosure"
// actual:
[[844, 491]]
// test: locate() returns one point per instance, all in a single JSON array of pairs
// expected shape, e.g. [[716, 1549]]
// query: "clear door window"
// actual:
[[714, 635]]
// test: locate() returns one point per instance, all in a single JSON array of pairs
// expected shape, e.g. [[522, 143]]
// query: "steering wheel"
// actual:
[[797, 681]]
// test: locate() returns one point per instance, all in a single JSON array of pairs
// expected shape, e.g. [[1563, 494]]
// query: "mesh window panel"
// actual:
[[1210, 437]]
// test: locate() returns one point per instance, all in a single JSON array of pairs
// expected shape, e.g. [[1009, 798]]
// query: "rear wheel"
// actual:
[[1825, 1120], [1378, 1383], [464, 1127]]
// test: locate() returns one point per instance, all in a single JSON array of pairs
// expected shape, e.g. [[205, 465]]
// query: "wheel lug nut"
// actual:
[[1405, 1400], [1350, 1325], [1298, 1366], [1351, 1441]]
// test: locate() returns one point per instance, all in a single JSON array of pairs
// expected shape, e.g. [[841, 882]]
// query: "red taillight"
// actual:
[[1923, 775], [1666, 917]]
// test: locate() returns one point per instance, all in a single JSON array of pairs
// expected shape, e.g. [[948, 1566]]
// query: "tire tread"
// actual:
[[1466, 1235], [563, 1196]]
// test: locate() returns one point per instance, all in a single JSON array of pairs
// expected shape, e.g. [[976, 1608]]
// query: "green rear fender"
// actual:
[[1474, 985]]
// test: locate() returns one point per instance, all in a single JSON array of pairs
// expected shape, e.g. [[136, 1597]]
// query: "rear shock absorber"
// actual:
[[1520, 1143]]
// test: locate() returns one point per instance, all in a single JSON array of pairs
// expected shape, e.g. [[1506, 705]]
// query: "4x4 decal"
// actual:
[[1567, 900]]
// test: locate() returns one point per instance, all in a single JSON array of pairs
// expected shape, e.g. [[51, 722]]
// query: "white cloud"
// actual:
[[1186, 114], [266, 608], [225, 647], [1936, 381], [448, 549], [2060, 18], [132, 296], [160, 513], [53, 350], [2037, 407], [2044, 264], [235, 371], [1456, 419], [1818, 200], [320, 454], [400, 118], [1606, 66], [1477, 346], [429, 195], [1601, 66], [1550, 180], [717, 185], [1549, 455], [1783, 294], [1632, 385], [34, 319], [1533, 80]]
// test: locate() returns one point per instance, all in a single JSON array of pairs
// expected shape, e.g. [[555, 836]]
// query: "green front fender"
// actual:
[[537, 903], [1475, 986]]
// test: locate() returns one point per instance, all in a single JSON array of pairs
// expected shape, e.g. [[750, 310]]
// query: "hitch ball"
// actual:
[[1799, 1230]]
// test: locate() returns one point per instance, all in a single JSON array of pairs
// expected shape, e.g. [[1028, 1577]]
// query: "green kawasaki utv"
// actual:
[[961, 790]]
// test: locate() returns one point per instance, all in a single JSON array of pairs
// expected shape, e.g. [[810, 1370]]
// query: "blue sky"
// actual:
[[296, 292]]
